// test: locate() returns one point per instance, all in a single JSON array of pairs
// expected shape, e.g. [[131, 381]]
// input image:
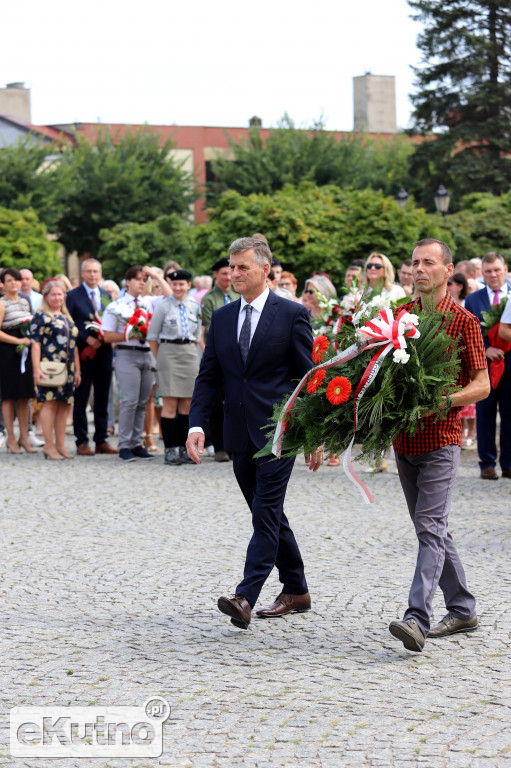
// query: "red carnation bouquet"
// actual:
[[138, 325], [490, 326]]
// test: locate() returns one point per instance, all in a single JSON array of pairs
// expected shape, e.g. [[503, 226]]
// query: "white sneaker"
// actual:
[[34, 441]]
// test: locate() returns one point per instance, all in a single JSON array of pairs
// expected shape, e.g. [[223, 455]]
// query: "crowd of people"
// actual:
[[66, 355]]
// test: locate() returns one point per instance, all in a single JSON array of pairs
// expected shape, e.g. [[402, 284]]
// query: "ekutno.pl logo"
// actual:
[[89, 731]]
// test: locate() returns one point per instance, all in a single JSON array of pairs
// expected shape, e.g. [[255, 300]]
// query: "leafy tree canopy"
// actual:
[[316, 228], [153, 243], [30, 178], [114, 181], [24, 244], [292, 155], [462, 93]]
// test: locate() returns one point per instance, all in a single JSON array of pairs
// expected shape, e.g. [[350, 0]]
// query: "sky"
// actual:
[[205, 62]]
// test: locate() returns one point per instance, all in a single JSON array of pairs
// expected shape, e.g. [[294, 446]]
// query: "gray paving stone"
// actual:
[[109, 578]]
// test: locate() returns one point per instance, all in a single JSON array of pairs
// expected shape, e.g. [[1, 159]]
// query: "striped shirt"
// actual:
[[431, 433]]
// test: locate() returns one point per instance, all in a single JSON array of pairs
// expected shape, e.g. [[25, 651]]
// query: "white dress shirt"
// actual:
[[503, 291], [257, 307]]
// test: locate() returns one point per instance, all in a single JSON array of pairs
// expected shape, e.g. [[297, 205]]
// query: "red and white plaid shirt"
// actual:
[[431, 433]]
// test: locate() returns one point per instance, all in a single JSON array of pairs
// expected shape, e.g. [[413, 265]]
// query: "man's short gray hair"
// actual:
[[89, 259], [261, 250]]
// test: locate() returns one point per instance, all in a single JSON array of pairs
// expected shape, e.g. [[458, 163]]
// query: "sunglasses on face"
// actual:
[[308, 291], [374, 266]]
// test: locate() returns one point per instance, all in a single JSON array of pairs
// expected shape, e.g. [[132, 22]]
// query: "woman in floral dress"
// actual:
[[54, 338]]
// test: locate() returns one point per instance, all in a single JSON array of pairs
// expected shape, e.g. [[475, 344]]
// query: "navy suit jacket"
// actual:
[[477, 303], [279, 354], [81, 310]]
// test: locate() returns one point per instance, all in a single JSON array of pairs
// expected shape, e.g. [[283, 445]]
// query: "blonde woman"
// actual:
[[380, 272], [54, 337]]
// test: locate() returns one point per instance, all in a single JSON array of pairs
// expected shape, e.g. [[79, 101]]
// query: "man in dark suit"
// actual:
[[494, 274], [257, 347], [82, 302]]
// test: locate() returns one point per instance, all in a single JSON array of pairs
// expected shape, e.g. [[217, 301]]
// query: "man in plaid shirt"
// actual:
[[427, 463]]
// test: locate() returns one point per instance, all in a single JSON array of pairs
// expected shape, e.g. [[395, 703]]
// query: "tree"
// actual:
[[312, 228], [29, 178], [24, 243], [462, 94], [293, 155], [115, 181], [153, 243], [483, 224]]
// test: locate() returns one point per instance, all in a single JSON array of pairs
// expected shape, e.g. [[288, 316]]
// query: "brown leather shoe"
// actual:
[[237, 608], [488, 473], [105, 448], [286, 604], [409, 633], [84, 449], [449, 625]]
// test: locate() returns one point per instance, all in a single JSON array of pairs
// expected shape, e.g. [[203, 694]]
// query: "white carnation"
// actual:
[[400, 356]]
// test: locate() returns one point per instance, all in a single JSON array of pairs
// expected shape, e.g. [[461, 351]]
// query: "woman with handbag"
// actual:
[[16, 383], [56, 365]]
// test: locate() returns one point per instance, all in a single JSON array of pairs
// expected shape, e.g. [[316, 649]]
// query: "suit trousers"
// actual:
[[96, 373], [427, 481], [486, 412], [263, 483], [135, 379]]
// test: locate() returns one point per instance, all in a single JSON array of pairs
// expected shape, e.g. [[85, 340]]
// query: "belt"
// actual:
[[136, 349], [176, 341]]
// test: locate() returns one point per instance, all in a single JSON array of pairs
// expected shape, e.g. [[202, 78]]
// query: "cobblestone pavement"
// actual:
[[109, 581]]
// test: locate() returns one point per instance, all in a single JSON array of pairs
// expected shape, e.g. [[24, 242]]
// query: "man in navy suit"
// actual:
[[82, 302], [257, 347], [494, 274]]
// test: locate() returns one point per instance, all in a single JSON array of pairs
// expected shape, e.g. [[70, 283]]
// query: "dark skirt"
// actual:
[[15, 385]]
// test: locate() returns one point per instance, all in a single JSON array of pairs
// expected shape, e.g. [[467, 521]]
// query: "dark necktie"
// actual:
[[244, 340], [93, 301]]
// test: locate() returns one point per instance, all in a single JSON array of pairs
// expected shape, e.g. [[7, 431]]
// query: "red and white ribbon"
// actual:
[[383, 331]]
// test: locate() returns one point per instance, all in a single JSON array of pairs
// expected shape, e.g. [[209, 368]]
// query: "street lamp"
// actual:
[[442, 199], [402, 197]]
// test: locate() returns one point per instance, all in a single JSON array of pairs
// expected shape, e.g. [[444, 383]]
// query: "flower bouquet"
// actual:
[[392, 372], [138, 325], [22, 349], [95, 328], [490, 326]]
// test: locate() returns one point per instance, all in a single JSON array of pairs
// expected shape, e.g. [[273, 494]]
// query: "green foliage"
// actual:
[[462, 92], [311, 227], [152, 243], [115, 181], [24, 244], [292, 155], [30, 178], [398, 398], [483, 224]]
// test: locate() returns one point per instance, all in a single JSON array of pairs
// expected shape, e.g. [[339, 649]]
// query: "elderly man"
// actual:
[[427, 463], [496, 288], [83, 302], [257, 347], [27, 287]]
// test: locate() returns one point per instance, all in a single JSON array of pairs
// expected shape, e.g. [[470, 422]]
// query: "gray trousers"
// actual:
[[427, 481], [135, 379]]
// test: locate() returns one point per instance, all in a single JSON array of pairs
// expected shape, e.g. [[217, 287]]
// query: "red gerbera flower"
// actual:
[[316, 381], [319, 348], [339, 390]]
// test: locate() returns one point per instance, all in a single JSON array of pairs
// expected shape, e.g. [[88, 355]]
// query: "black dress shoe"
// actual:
[[237, 608], [506, 472], [286, 603], [140, 452], [222, 456], [449, 625], [409, 633]]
